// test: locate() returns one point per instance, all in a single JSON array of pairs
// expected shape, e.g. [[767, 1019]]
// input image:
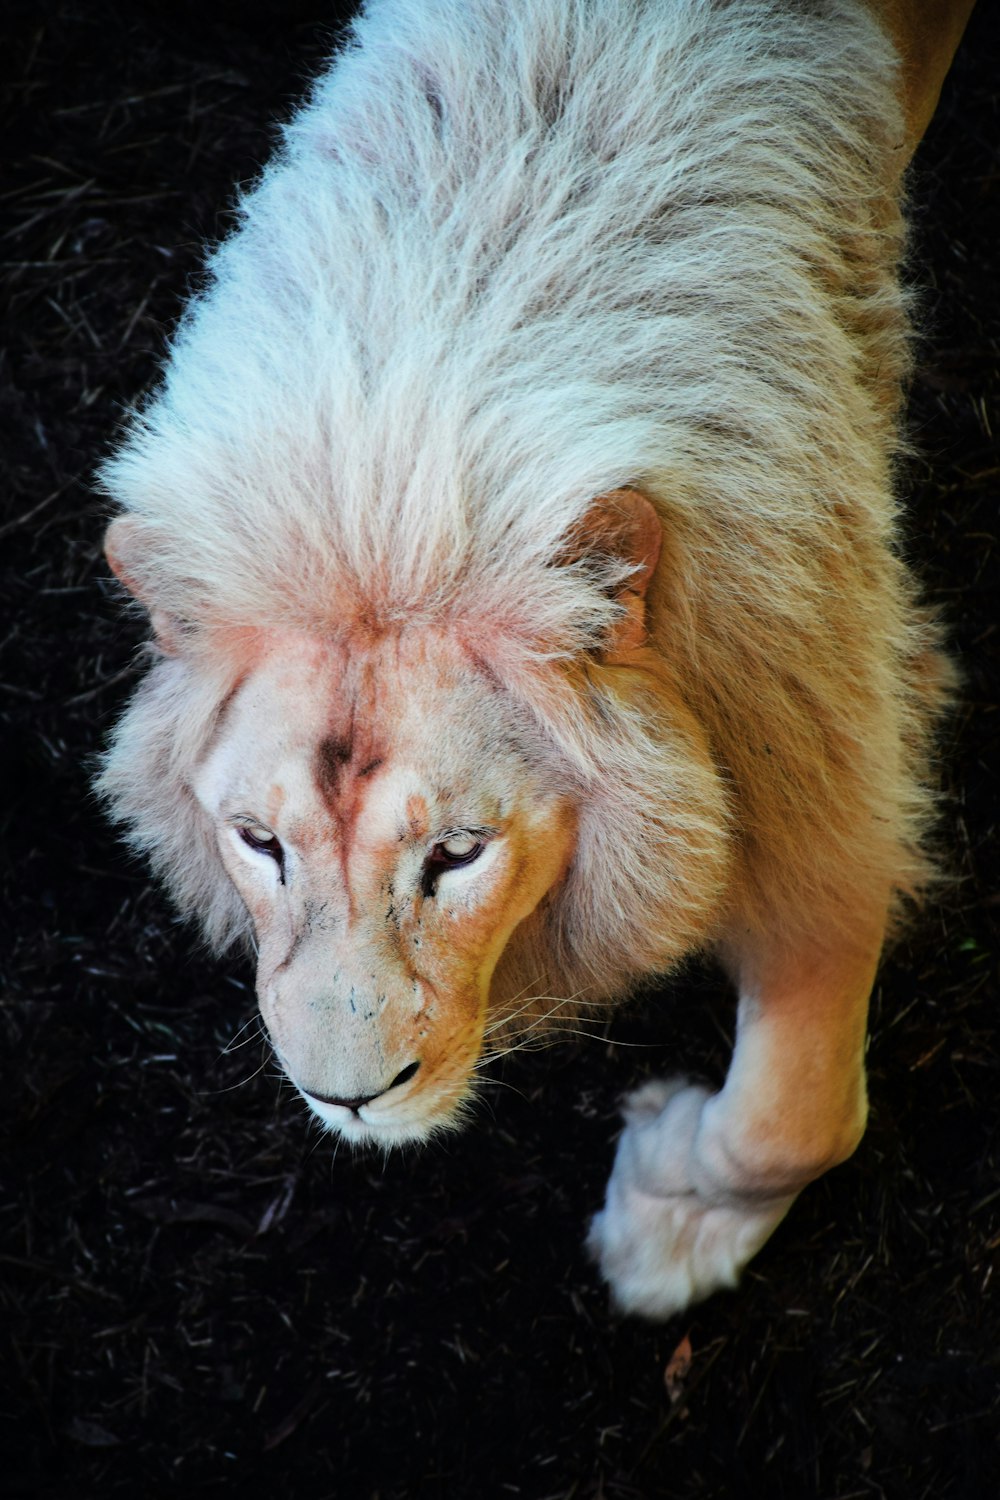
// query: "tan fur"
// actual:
[[926, 34]]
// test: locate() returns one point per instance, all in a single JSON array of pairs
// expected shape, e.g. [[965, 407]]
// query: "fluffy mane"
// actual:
[[514, 254]]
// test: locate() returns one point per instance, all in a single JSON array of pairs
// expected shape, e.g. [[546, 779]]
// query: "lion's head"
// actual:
[[387, 827], [423, 833]]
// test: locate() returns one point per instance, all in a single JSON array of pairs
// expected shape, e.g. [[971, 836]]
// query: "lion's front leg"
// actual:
[[700, 1180], [669, 1234]]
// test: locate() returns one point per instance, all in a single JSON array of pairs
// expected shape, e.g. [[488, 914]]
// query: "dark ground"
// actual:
[[198, 1292]]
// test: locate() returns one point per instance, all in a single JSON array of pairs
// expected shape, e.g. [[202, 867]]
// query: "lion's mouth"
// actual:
[[388, 1125], [412, 1110], [359, 1102]]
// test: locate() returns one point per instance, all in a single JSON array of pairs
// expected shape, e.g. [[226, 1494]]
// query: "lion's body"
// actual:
[[515, 257]]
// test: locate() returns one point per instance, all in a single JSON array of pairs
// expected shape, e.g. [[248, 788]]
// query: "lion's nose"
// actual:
[[355, 1104]]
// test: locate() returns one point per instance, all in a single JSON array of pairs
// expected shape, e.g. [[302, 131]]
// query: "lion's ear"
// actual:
[[128, 558], [624, 525]]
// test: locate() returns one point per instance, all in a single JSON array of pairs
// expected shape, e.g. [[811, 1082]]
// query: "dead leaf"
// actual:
[[677, 1371]]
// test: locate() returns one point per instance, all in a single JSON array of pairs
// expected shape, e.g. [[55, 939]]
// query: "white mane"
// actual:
[[492, 274]]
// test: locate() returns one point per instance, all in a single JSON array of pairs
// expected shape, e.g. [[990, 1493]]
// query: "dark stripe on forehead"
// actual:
[[337, 783], [342, 761], [333, 756]]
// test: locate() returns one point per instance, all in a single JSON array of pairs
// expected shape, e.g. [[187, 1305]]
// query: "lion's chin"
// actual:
[[412, 1123]]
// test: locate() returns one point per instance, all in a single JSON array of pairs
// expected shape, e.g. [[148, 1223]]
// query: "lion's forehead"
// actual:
[[360, 752], [317, 793]]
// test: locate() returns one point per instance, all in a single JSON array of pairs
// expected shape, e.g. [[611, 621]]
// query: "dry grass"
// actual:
[[196, 1288]]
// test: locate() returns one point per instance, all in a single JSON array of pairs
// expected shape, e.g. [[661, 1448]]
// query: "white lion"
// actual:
[[515, 520]]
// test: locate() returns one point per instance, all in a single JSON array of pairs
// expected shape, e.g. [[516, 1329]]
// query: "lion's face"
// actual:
[[387, 825]]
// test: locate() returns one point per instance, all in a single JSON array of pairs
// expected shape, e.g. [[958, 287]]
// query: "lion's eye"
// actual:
[[460, 849], [261, 840]]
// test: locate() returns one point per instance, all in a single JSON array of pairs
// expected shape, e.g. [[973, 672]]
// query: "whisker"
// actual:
[[239, 1084], [234, 1045], [523, 1043], [499, 1083], [593, 1036], [537, 1036], [505, 1018]]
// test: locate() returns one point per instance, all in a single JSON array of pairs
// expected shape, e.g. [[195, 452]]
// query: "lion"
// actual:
[[516, 523]]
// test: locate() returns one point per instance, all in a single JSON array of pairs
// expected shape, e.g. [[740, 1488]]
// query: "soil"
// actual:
[[199, 1291]]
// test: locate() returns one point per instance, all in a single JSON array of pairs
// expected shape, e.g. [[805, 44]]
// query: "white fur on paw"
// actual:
[[665, 1238]]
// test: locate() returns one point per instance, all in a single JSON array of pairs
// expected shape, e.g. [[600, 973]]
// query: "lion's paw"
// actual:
[[666, 1237]]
